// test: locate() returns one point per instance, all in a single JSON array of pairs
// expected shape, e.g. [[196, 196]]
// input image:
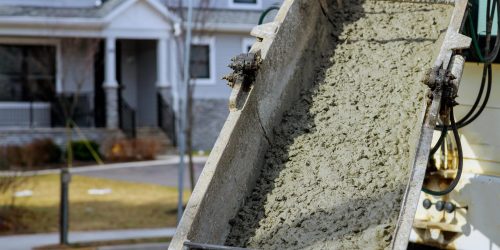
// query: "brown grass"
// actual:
[[96, 245], [130, 205]]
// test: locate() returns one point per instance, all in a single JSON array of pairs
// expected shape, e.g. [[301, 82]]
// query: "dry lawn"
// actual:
[[129, 205]]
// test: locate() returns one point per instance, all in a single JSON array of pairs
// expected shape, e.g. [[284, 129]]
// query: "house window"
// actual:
[[200, 61], [27, 72], [246, 1], [245, 4]]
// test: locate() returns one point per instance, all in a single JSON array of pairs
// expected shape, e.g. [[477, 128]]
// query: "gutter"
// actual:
[[53, 22]]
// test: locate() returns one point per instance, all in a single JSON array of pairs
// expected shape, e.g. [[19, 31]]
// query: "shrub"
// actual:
[[81, 151], [35, 154], [146, 149], [41, 151], [14, 155], [133, 149]]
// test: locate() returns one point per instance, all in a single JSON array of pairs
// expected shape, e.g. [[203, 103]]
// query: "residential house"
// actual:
[[113, 66]]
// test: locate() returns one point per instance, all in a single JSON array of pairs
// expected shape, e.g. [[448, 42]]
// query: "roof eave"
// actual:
[[223, 27], [52, 22]]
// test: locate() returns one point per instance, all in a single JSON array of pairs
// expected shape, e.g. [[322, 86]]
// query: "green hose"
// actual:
[[264, 14], [474, 38]]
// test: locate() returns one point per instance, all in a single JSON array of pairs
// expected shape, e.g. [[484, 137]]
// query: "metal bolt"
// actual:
[[440, 205], [427, 204], [449, 207]]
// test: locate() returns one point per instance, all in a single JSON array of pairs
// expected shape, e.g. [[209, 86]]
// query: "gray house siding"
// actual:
[[211, 101], [221, 4], [226, 47]]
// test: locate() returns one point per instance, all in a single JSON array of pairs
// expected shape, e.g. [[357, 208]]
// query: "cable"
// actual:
[[475, 42], [455, 181], [493, 54], [470, 116], [478, 98], [444, 132], [463, 121], [490, 57], [486, 98]]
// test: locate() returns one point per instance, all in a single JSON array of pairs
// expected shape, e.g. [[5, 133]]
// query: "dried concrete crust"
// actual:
[[336, 171]]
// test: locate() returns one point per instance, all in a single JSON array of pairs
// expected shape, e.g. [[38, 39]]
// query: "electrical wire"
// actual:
[[486, 98], [455, 181], [444, 132], [487, 75], [471, 114], [490, 57], [487, 72]]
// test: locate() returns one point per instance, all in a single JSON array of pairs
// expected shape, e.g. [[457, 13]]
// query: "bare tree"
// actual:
[[200, 18], [80, 55]]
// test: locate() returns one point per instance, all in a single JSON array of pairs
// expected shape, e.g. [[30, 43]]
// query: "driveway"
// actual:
[[165, 175], [27, 242], [161, 172]]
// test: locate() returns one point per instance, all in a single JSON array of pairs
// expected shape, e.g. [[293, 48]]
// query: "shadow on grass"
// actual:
[[87, 216]]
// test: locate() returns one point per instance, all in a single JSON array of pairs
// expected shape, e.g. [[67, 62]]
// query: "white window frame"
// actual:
[[250, 6], [210, 41], [247, 42], [41, 41]]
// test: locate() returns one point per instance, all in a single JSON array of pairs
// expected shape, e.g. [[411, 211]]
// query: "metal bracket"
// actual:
[[188, 245]]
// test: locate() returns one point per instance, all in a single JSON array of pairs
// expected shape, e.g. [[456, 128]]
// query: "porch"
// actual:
[[95, 70], [42, 93]]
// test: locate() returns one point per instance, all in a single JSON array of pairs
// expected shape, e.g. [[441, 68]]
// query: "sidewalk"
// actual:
[[27, 242], [164, 160]]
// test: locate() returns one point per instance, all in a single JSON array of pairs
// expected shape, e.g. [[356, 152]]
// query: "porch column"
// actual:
[[110, 84], [162, 67], [174, 72]]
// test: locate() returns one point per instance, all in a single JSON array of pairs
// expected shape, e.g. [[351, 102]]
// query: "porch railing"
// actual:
[[25, 114], [79, 109], [166, 119], [127, 119]]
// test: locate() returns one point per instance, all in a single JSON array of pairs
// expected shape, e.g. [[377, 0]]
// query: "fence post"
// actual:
[[64, 207]]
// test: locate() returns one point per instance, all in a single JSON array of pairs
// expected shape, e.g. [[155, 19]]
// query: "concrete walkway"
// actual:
[[160, 172], [166, 160], [163, 174], [27, 242]]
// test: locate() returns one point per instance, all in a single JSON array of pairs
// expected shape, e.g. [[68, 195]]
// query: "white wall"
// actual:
[[481, 138], [129, 76], [77, 68]]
